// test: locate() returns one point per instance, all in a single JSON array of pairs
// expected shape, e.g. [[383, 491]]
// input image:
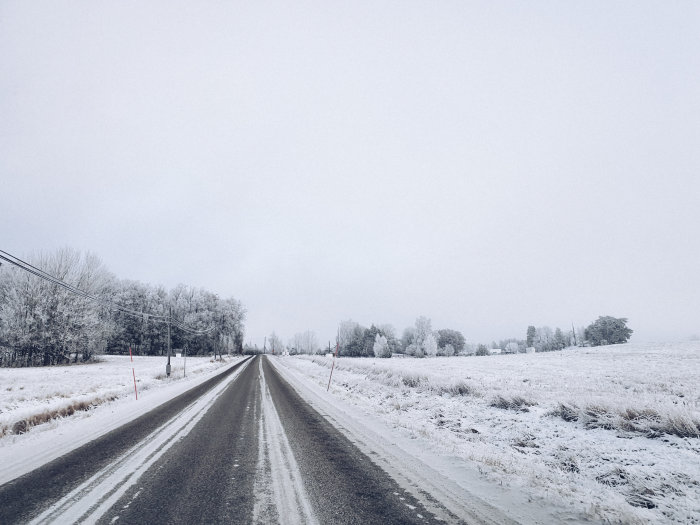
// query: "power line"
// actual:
[[48, 277], [38, 272]]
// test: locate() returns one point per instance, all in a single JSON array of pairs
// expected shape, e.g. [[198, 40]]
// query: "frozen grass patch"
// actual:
[[566, 411], [515, 403], [647, 421], [636, 490], [461, 388], [413, 380], [24, 425]]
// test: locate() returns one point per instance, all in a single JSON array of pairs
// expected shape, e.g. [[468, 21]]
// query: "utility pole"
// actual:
[[170, 320], [265, 345]]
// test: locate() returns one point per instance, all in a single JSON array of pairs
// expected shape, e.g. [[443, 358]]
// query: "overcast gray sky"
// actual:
[[489, 165]]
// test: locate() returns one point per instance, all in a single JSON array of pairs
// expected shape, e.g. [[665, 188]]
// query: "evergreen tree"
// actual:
[[531, 334]]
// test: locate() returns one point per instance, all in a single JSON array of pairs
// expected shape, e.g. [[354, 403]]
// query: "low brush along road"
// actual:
[[243, 447]]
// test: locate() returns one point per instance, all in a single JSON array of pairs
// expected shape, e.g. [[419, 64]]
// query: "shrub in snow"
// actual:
[[645, 421], [682, 425], [565, 411], [569, 464], [598, 416], [613, 478], [413, 380], [460, 388], [482, 350], [525, 441], [635, 489], [517, 403]]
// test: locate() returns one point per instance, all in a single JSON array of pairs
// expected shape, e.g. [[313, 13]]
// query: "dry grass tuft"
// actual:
[[516, 403], [645, 421], [24, 425]]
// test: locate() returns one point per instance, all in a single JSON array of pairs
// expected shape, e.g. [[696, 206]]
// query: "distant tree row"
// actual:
[[355, 340], [42, 323], [421, 340]]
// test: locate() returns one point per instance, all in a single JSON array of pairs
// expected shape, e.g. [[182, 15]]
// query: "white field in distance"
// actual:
[[608, 432]]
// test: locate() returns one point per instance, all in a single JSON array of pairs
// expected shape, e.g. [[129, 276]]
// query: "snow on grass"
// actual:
[[611, 432], [32, 396]]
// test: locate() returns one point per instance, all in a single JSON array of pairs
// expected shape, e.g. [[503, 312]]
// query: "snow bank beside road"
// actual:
[[614, 457], [106, 387]]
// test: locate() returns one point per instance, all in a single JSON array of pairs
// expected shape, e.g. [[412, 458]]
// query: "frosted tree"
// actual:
[[304, 343], [275, 343], [44, 323], [420, 341], [415, 350], [423, 328], [559, 339], [430, 346], [544, 339], [381, 346], [454, 338], [448, 350], [512, 348], [409, 334], [607, 330]]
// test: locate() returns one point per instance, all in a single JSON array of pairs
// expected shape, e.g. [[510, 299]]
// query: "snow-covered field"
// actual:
[[612, 433], [38, 395], [63, 407]]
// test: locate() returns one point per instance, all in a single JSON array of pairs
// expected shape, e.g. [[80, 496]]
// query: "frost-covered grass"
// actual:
[[611, 432], [34, 396]]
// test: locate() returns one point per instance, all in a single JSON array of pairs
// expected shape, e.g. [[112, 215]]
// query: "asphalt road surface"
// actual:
[[242, 448]]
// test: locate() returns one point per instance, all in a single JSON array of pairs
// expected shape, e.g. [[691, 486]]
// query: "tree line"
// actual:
[[43, 323], [420, 340]]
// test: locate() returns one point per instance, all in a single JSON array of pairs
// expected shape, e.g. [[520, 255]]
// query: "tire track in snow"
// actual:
[[279, 488], [94, 497]]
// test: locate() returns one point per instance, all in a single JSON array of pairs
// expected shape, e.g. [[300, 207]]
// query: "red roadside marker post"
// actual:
[[133, 372]]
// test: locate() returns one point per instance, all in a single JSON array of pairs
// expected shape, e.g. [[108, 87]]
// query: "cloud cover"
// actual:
[[488, 166]]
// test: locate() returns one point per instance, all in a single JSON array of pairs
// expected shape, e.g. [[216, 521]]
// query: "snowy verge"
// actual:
[[428, 476], [44, 387]]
